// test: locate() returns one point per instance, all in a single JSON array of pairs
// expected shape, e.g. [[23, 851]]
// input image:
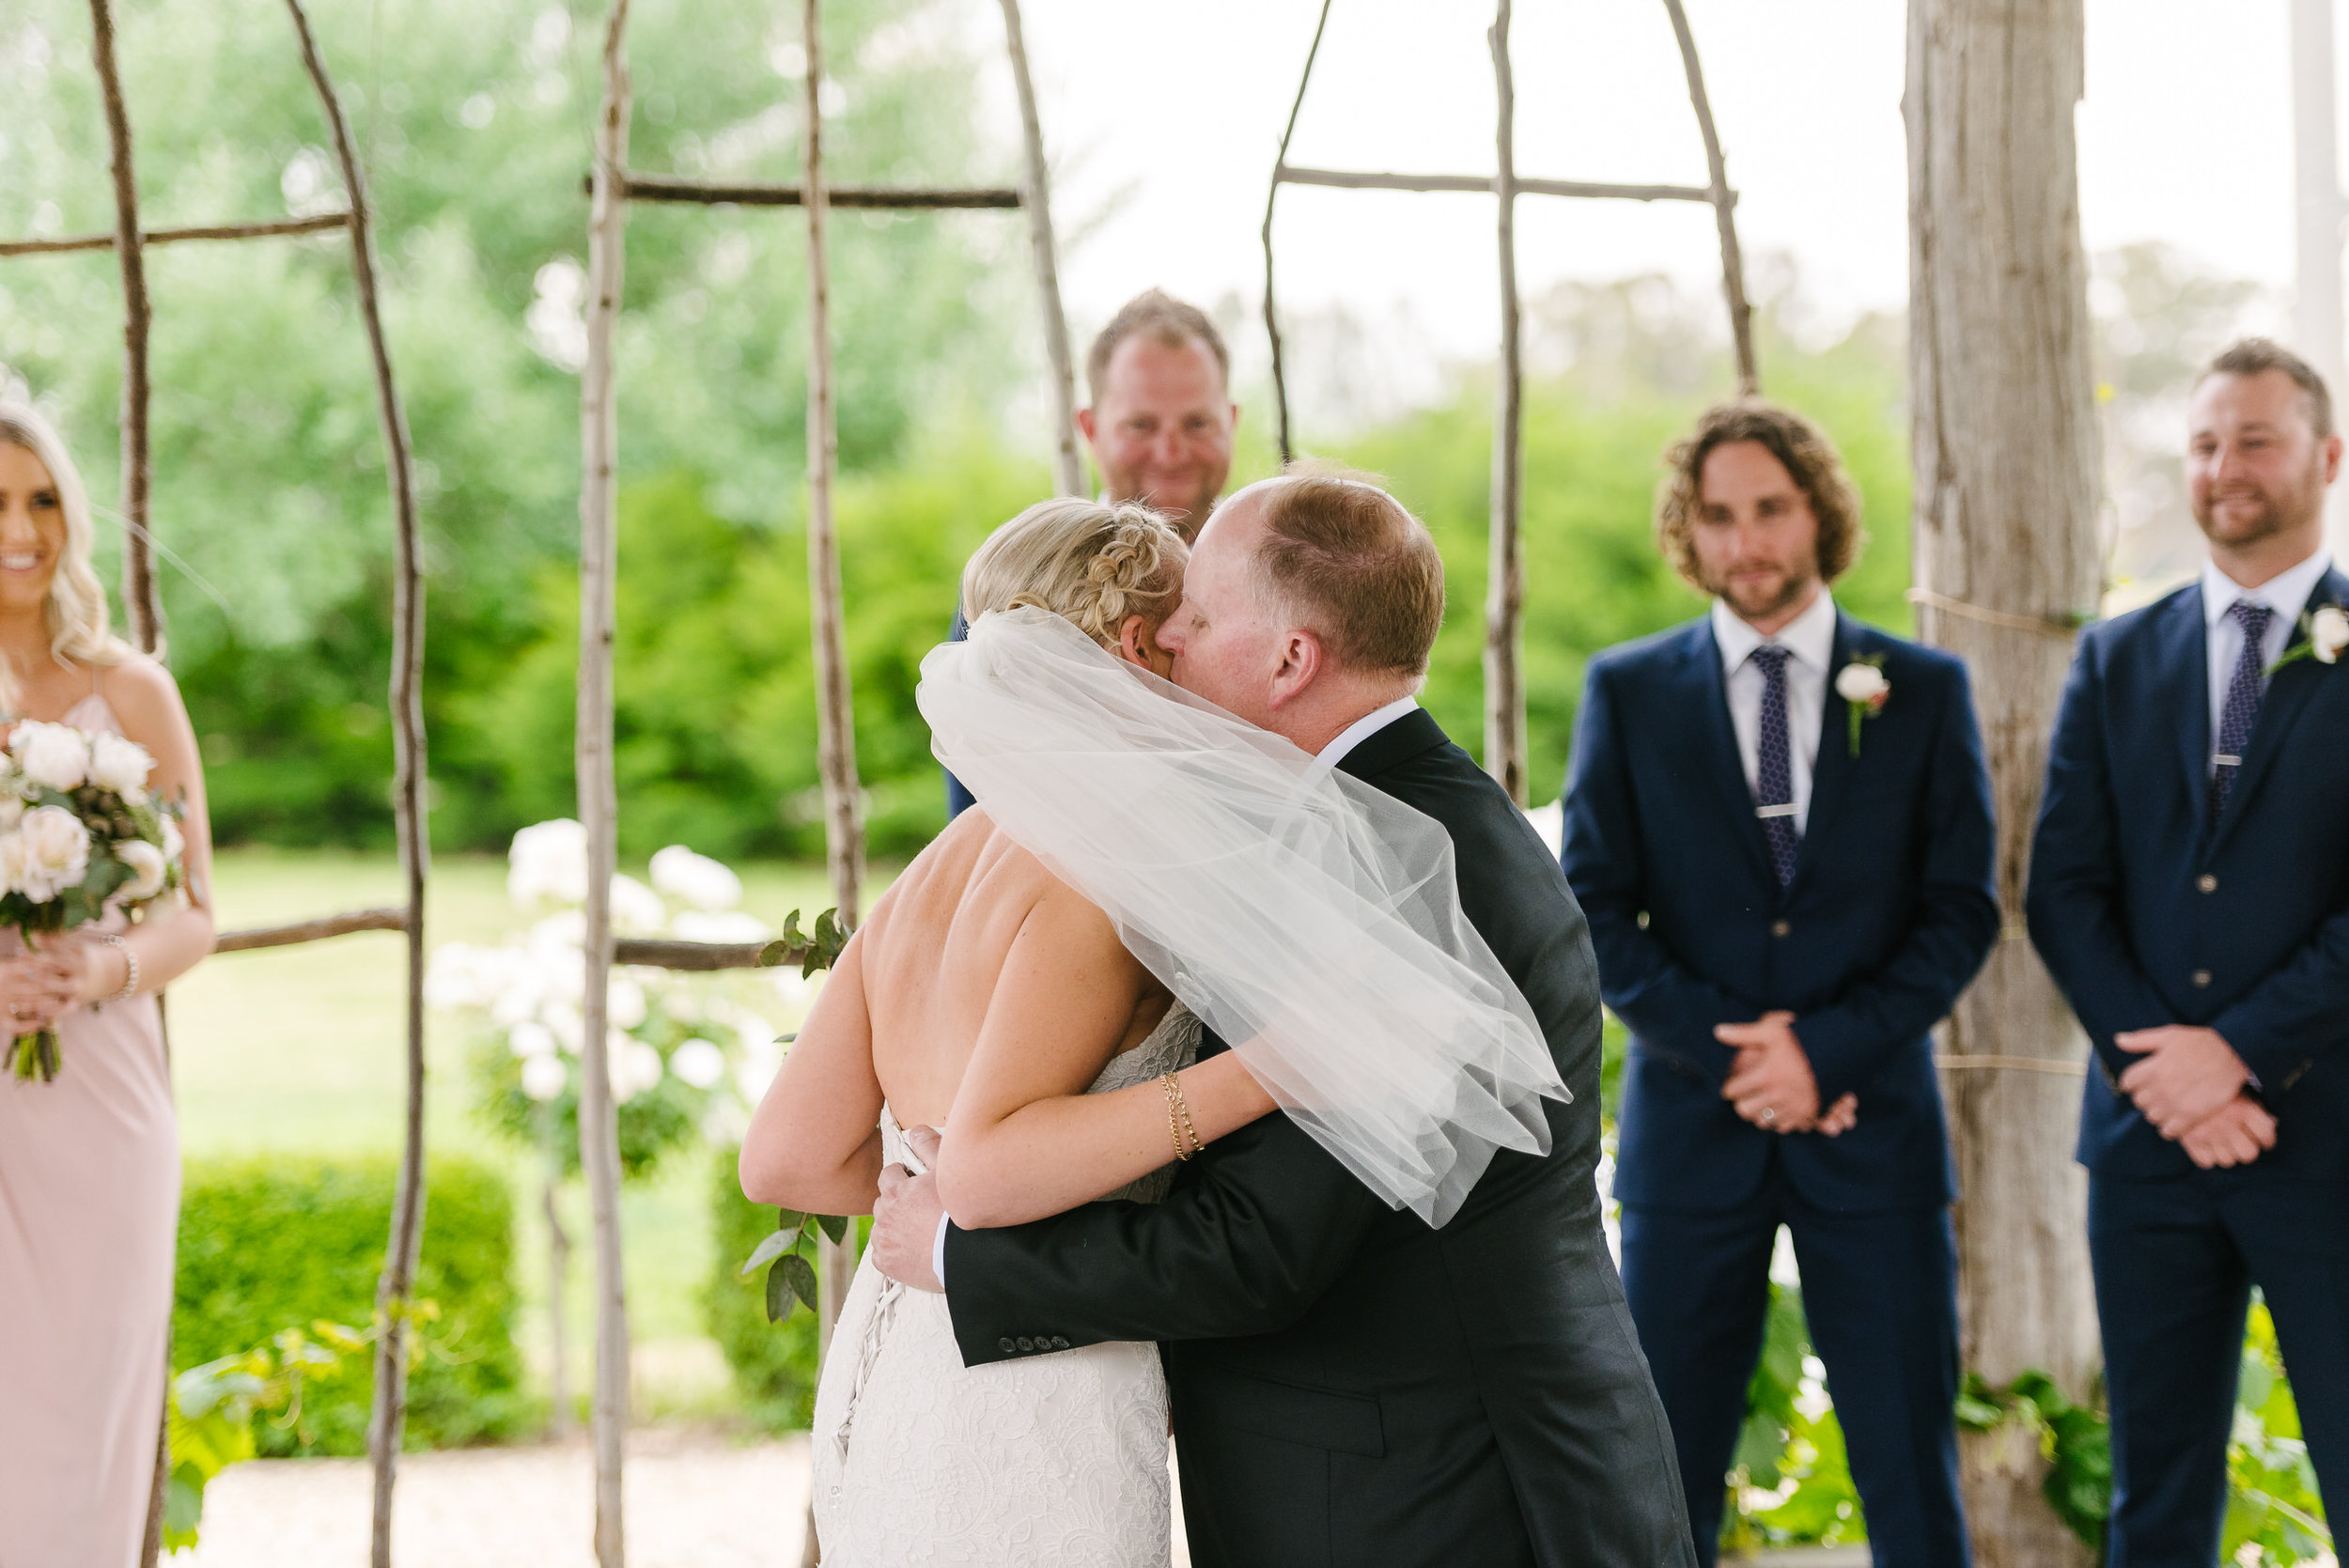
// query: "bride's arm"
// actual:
[[1024, 1140], [815, 1142]]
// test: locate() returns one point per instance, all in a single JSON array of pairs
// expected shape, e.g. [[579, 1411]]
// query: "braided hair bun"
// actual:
[[1094, 566]]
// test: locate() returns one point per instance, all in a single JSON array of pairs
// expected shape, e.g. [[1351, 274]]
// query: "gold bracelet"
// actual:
[[1176, 1114], [1190, 1131]]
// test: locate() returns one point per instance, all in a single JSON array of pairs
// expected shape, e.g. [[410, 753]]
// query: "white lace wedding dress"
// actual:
[[1044, 1461]]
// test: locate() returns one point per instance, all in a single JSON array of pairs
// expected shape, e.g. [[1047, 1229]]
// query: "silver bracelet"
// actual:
[[130, 962]]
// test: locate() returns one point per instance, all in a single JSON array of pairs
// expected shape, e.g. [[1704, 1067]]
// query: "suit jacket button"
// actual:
[[1007, 1346], [1059, 1343], [1780, 928], [2206, 882], [1026, 1345], [2202, 977]]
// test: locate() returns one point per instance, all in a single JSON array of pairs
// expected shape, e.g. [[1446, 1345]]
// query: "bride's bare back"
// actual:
[[934, 956]]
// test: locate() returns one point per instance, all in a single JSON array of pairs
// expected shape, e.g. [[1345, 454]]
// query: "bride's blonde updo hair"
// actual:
[[1091, 565], [79, 632]]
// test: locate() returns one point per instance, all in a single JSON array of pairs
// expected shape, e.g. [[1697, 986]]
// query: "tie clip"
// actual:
[[1786, 809], [2223, 760]]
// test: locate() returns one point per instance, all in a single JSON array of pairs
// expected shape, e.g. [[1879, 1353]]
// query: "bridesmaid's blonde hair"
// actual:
[[1091, 565], [78, 626]]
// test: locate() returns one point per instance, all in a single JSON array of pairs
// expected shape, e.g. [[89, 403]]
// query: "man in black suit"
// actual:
[[1779, 822], [1351, 1387], [2190, 892], [1160, 426]]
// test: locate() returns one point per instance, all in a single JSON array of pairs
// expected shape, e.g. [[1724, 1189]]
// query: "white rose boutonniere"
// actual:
[[1864, 690], [2323, 636]]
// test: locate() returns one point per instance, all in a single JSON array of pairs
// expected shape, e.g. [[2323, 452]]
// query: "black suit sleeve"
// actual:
[[1668, 1007], [1245, 1244], [1956, 921], [2073, 903]]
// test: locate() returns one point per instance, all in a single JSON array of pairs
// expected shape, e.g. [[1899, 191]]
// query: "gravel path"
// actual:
[[694, 1499]]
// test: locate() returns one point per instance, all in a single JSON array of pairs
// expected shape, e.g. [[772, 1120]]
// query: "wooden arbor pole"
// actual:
[[1272, 197], [1504, 592], [2006, 450], [836, 716], [1724, 207], [140, 602], [599, 793], [388, 1419], [1036, 195]]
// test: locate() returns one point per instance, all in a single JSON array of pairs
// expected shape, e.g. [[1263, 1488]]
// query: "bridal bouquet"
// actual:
[[79, 835]]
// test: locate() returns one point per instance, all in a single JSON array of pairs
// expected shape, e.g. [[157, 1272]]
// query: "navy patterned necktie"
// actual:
[[2241, 710], [1774, 782]]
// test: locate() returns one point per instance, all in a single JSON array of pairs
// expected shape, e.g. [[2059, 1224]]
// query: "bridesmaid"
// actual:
[[89, 1165]]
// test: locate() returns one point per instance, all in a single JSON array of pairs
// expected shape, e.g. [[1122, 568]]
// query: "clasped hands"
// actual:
[[1772, 1084], [2189, 1083], [38, 986]]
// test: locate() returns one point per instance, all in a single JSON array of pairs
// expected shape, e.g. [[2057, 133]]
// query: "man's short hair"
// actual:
[[1164, 317], [1356, 564], [2253, 356], [1800, 446]]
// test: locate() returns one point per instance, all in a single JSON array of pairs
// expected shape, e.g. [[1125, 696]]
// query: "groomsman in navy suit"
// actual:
[[2189, 890], [1778, 823]]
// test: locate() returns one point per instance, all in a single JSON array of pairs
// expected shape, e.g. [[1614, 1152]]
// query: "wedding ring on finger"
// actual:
[[1769, 1115]]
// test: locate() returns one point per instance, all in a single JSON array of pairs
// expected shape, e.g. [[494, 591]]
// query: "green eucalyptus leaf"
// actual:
[[773, 1247], [799, 1275], [834, 1226]]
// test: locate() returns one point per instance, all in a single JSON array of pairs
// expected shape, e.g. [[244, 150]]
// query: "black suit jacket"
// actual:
[[1351, 1387]]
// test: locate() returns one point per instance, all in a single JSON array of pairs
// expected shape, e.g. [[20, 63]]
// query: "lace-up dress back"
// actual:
[[1051, 1461]]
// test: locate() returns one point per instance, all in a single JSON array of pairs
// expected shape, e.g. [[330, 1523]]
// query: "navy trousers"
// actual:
[[2175, 1262], [1879, 1288]]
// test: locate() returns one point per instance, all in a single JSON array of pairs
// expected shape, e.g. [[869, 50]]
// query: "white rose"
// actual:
[[698, 1061], [2329, 633], [696, 879], [545, 1077], [52, 755], [147, 869], [12, 813], [53, 853], [120, 765], [1861, 683], [548, 860]]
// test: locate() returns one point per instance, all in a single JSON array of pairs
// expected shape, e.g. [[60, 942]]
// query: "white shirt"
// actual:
[[2286, 593], [1809, 638], [1329, 757]]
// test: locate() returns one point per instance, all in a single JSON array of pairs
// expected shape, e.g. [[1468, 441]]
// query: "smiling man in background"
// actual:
[[1160, 423]]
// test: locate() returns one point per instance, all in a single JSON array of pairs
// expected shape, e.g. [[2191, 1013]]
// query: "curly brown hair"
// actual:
[[1800, 446]]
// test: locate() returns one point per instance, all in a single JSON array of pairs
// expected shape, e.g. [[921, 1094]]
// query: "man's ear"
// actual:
[[1084, 424], [1301, 656], [2332, 458]]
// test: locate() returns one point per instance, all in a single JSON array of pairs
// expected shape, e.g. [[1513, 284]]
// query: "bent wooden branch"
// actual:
[[316, 224], [1279, 171], [139, 601], [1505, 595], [1724, 207], [389, 1417], [1036, 195], [669, 188]]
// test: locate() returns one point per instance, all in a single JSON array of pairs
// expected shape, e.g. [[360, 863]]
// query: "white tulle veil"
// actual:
[[1313, 922]]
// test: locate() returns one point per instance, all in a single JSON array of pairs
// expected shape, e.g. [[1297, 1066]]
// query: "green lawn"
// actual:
[[301, 1048]]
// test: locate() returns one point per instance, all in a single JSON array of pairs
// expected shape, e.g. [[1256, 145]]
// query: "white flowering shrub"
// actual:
[[690, 1054]]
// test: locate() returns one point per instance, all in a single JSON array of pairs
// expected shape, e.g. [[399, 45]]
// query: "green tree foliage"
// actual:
[[472, 116], [287, 1239]]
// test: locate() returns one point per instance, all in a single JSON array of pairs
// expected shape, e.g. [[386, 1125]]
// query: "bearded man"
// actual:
[[1778, 823], [1160, 423], [2190, 892]]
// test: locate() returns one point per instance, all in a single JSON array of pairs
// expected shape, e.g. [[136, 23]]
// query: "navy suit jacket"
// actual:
[[1890, 912], [2147, 913]]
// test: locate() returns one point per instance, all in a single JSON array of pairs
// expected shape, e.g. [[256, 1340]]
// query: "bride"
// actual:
[[1034, 984]]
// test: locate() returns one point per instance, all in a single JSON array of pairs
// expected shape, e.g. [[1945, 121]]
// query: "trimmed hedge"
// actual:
[[773, 1363], [278, 1241]]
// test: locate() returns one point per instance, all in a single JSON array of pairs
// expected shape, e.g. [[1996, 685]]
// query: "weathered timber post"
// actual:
[[1036, 197], [389, 1417], [599, 794], [1504, 592], [140, 601], [2006, 453]]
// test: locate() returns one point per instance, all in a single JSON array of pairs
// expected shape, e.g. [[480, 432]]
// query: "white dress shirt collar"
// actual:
[[2286, 593], [1810, 636], [1362, 729]]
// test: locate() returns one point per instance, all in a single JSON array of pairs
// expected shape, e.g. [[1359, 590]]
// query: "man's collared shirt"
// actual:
[[2286, 593], [1809, 638]]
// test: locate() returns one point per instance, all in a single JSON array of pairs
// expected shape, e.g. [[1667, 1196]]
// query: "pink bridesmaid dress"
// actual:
[[89, 1204]]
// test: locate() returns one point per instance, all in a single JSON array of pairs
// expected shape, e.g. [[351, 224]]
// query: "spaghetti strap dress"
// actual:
[[90, 1203]]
